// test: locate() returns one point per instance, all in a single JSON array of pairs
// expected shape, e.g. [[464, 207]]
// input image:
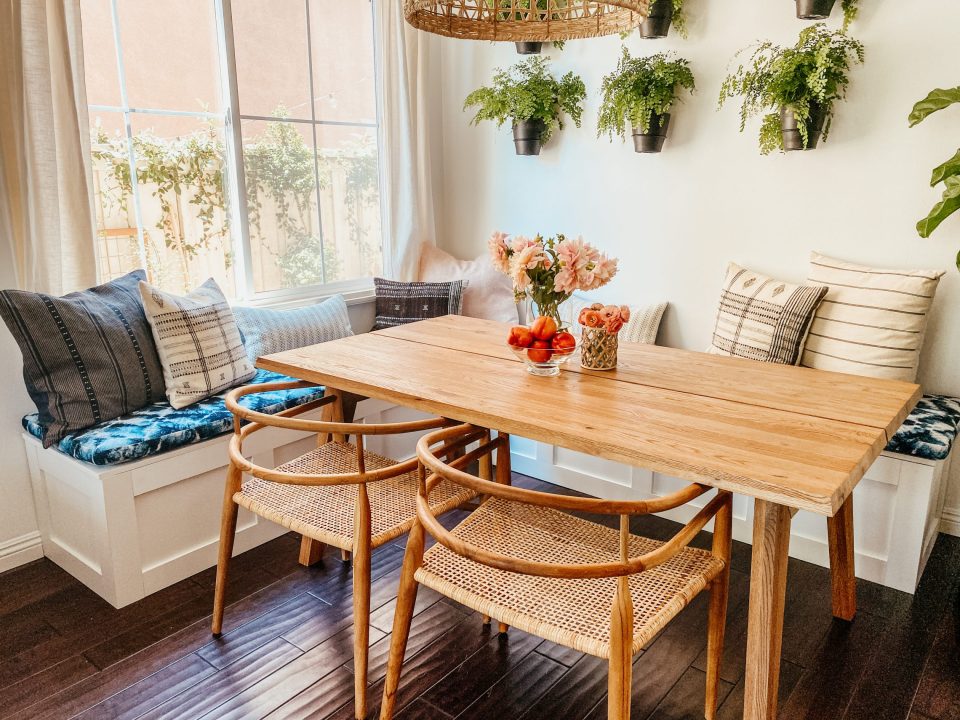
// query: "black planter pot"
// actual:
[[790, 128], [814, 9], [652, 140], [529, 48], [526, 136], [657, 24]]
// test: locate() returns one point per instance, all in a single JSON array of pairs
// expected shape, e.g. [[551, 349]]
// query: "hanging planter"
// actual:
[[652, 140], [821, 10], [793, 130], [814, 9], [533, 99], [663, 14], [786, 87], [527, 136], [640, 92], [529, 48]]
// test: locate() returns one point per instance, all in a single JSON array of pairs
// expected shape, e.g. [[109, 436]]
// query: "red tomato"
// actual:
[[540, 351], [563, 343], [544, 327]]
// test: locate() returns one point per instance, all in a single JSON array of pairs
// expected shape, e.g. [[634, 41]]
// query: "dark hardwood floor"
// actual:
[[287, 649]]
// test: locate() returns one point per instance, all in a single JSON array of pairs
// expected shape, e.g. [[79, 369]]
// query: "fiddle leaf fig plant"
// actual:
[[814, 72], [639, 89], [949, 172], [529, 91]]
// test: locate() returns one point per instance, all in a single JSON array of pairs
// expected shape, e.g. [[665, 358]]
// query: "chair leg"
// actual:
[[719, 590], [620, 681], [344, 556], [402, 617], [502, 628], [361, 602], [228, 531], [719, 593]]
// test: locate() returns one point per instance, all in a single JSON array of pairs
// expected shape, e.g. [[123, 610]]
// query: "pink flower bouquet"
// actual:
[[609, 317], [550, 271]]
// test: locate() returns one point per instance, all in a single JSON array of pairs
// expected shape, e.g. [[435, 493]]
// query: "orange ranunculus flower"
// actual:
[[591, 318], [613, 325]]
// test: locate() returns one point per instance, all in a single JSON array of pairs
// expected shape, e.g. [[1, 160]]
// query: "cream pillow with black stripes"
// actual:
[[761, 318], [198, 342], [872, 320]]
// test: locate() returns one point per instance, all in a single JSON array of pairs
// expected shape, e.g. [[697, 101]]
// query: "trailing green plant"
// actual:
[[639, 89], [815, 70], [850, 9], [679, 20], [949, 172], [529, 91]]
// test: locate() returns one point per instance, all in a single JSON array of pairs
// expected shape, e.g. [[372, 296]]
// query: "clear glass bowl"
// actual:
[[546, 362]]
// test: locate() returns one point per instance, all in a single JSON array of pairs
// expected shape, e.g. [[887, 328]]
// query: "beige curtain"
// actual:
[[46, 211], [412, 136]]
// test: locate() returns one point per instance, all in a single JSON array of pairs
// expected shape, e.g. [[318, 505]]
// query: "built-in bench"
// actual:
[[132, 505], [897, 508]]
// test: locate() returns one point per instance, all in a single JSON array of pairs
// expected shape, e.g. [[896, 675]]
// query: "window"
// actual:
[[236, 139]]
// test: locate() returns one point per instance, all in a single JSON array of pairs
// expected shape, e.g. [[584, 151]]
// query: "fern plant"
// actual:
[[850, 9], [814, 71], [639, 89], [949, 172], [529, 91]]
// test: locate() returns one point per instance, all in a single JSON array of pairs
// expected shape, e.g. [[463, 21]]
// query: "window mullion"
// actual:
[[236, 178], [316, 154], [128, 129]]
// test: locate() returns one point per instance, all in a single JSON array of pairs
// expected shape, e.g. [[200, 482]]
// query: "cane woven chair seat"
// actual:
[[571, 612], [326, 512]]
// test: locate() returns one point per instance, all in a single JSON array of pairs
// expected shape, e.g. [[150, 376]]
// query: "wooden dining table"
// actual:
[[791, 438]]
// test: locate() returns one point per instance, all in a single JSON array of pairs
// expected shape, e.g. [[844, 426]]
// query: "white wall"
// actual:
[[675, 219]]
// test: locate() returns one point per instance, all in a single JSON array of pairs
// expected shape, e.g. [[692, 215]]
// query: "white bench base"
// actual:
[[126, 531], [897, 507]]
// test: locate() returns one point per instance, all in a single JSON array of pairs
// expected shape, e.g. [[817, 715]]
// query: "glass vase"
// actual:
[[548, 304]]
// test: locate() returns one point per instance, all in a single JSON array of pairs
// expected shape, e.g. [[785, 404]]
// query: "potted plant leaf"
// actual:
[[794, 89], [521, 10], [949, 172], [641, 92], [663, 14], [533, 99], [821, 9]]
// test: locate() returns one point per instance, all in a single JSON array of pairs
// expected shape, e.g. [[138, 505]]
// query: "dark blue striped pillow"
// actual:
[[87, 356]]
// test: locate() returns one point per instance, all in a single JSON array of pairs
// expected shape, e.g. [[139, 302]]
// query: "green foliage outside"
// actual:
[[815, 70], [949, 172], [528, 91], [639, 89], [186, 173]]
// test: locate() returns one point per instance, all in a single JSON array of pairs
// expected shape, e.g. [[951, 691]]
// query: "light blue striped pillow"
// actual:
[[271, 331]]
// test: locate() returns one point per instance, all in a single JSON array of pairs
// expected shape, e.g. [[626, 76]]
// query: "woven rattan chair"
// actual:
[[338, 494], [522, 560]]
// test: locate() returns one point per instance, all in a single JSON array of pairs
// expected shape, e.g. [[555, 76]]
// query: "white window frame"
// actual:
[[235, 181]]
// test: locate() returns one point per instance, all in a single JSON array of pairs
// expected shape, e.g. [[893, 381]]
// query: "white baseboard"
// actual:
[[20, 550], [950, 521]]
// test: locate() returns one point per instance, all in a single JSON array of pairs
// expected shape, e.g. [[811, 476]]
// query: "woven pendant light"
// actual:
[[525, 20]]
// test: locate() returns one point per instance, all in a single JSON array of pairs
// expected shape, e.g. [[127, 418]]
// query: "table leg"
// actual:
[[842, 577], [768, 585]]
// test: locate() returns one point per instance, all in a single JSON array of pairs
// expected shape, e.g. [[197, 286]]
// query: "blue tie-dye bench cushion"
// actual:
[[930, 429], [157, 428]]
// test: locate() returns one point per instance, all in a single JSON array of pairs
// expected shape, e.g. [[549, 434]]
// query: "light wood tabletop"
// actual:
[[791, 438]]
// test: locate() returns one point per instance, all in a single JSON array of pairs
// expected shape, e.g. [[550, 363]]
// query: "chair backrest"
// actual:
[[433, 469], [247, 421]]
